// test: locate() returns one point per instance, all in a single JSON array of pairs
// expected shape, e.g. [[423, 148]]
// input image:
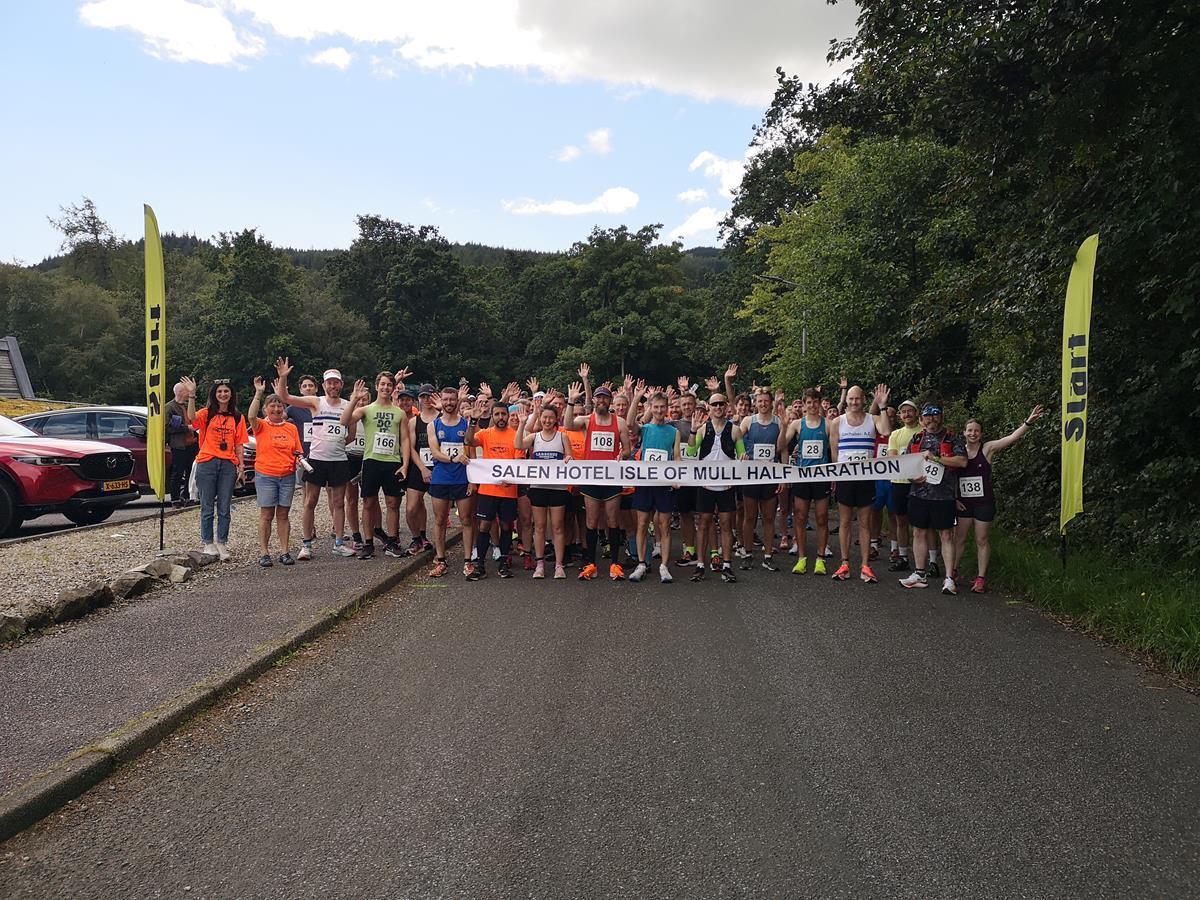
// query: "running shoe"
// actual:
[[381, 535], [414, 547], [894, 555], [699, 574], [915, 580], [265, 561], [843, 571], [932, 569], [828, 554], [439, 569], [588, 572], [686, 560], [747, 563], [664, 574], [980, 586], [616, 573], [528, 565], [496, 553], [899, 564], [560, 572], [867, 575], [657, 554], [356, 545], [784, 543], [286, 559], [503, 570], [209, 550], [801, 566], [473, 573], [715, 562], [223, 552], [794, 550], [742, 553], [539, 570], [468, 565], [342, 550], [769, 564], [949, 587], [367, 551], [426, 544], [873, 553], [305, 553], [819, 567], [638, 573], [727, 574], [393, 550]]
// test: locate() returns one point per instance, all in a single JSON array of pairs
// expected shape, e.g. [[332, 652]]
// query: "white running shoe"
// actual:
[[223, 552], [657, 554], [664, 574], [795, 550], [914, 580], [949, 587], [305, 552], [495, 553], [742, 553], [210, 549], [639, 573], [341, 549]]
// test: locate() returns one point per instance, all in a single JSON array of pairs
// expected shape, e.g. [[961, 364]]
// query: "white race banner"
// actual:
[[637, 473]]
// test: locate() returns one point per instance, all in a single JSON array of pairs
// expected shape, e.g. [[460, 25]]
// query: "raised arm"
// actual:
[[1019, 432], [730, 374], [260, 385], [283, 368], [882, 423], [355, 409], [190, 411], [584, 371]]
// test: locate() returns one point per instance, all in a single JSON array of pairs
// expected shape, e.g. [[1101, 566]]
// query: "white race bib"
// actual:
[[426, 456], [764, 453], [812, 449], [358, 446], [307, 435], [881, 451], [454, 451], [603, 441], [333, 431], [971, 486], [934, 472], [653, 455], [384, 444], [849, 455]]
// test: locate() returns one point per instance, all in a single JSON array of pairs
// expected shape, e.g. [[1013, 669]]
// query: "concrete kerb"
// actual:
[[48, 791]]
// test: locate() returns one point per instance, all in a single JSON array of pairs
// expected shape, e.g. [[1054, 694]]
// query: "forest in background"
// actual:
[[915, 220]]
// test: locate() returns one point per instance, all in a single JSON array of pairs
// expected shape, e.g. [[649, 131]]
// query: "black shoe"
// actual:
[[699, 575], [367, 552], [473, 573], [900, 565], [286, 559], [932, 570], [504, 571], [727, 575], [265, 561], [382, 536], [769, 565], [746, 564], [394, 550]]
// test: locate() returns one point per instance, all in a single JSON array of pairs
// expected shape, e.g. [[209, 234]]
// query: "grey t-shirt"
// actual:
[[945, 490]]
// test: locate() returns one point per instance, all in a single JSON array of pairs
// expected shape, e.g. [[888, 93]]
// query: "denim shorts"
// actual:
[[274, 490]]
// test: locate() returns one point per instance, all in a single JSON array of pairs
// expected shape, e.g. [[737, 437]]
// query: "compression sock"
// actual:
[[593, 546], [614, 545], [506, 539], [482, 542]]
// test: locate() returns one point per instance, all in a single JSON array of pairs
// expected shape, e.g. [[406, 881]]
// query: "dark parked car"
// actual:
[[124, 426], [83, 480]]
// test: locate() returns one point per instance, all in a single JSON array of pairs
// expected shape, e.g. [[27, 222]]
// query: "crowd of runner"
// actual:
[[406, 442]]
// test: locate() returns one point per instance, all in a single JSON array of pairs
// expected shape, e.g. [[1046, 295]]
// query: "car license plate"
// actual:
[[123, 485]]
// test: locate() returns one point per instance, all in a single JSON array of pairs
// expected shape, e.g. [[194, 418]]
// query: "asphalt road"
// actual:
[[50, 524], [781, 737]]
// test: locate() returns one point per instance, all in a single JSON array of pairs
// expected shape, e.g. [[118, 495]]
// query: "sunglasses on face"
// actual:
[[717, 403]]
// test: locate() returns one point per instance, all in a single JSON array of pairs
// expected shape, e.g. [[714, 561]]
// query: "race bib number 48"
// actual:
[[971, 486], [934, 472]]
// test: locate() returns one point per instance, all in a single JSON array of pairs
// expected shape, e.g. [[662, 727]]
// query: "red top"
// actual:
[[603, 441]]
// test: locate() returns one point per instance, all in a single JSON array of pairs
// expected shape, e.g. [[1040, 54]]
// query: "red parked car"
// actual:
[[83, 480]]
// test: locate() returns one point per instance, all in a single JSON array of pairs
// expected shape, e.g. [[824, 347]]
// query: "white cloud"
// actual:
[[728, 172], [381, 67], [600, 141], [612, 202], [176, 29], [692, 195], [569, 153], [704, 219], [708, 49], [430, 205], [336, 57]]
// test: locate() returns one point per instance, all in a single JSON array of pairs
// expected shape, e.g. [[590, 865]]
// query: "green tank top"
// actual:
[[381, 431]]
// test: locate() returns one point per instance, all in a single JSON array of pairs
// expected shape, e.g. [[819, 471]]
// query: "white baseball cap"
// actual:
[[332, 373], [538, 394]]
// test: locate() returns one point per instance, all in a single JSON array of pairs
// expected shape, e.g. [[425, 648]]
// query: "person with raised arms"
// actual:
[[685, 496], [605, 437], [277, 447], [931, 499], [852, 439], [385, 459], [810, 433], [448, 482], [898, 441], [301, 417], [420, 468], [659, 443], [549, 501], [327, 455], [977, 496], [496, 505], [715, 441], [762, 431]]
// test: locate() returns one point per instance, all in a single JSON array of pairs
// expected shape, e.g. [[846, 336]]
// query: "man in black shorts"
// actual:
[[931, 497], [419, 466]]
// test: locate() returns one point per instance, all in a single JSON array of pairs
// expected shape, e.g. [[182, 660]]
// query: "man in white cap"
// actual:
[[327, 456]]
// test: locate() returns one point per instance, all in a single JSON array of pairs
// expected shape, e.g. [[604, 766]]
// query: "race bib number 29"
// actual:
[[764, 452]]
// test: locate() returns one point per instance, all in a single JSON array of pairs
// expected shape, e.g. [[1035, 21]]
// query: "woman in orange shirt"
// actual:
[[277, 449], [223, 436]]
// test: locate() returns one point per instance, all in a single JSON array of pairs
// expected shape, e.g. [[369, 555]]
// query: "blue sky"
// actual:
[[521, 124]]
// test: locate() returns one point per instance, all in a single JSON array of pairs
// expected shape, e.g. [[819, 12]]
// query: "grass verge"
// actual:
[[1149, 609]]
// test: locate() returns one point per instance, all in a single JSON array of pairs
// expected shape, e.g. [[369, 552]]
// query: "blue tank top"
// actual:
[[813, 447], [658, 441], [451, 441], [761, 439]]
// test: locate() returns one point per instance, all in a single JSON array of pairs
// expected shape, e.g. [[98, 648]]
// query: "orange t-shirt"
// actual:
[[578, 441], [497, 444], [276, 447], [221, 428]]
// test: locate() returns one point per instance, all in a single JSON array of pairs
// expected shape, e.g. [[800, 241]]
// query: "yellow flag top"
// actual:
[[1077, 326], [156, 356]]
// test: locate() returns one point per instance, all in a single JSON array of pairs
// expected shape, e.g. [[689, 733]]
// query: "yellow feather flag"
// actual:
[[1077, 327], [156, 356]]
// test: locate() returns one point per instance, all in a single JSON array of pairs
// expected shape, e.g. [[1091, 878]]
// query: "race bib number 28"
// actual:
[[812, 449]]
